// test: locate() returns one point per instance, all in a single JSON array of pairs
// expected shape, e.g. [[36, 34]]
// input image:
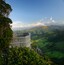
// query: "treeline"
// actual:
[[51, 44], [24, 56], [50, 40]]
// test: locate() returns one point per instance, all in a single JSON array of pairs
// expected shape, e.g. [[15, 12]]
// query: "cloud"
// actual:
[[17, 24], [48, 21], [42, 22], [38, 24], [50, 18]]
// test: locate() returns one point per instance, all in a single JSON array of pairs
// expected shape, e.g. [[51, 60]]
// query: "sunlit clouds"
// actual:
[[42, 22]]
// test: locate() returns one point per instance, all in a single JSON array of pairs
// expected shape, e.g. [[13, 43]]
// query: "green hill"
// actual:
[[50, 40]]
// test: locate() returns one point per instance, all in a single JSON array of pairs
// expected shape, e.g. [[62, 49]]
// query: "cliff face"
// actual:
[[23, 40]]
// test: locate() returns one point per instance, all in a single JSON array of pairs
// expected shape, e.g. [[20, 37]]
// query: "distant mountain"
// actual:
[[41, 27]]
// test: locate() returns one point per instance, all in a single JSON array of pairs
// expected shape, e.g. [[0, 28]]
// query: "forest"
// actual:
[[48, 41]]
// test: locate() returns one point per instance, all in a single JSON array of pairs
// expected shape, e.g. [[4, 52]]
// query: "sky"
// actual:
[[36, 12]]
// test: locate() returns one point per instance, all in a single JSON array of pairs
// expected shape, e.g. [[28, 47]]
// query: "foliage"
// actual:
[[5, 8], [25, 56], [50, 41], [5, 30]]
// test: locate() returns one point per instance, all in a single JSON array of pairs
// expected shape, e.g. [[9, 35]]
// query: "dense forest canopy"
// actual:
[[5, 30]]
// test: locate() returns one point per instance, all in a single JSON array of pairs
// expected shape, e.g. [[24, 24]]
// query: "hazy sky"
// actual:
[[30, 11]]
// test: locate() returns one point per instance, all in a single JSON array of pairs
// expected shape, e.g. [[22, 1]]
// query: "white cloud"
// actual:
[[48, 21], [53, 21], [38, 24], [43, 22], [16, 24], [50, 18]]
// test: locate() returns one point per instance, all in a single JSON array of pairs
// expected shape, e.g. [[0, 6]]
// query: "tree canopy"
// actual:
[[5, 29]]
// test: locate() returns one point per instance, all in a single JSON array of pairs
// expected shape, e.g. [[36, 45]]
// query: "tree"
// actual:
[[25, 56], [5, 29]]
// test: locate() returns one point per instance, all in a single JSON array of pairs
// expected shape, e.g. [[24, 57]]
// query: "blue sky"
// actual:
[[30, 11]]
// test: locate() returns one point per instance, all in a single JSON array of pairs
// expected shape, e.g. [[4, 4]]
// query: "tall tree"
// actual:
[[5, 29]]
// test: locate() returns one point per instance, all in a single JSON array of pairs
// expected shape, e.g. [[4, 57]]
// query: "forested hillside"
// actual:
[[49, 40]]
